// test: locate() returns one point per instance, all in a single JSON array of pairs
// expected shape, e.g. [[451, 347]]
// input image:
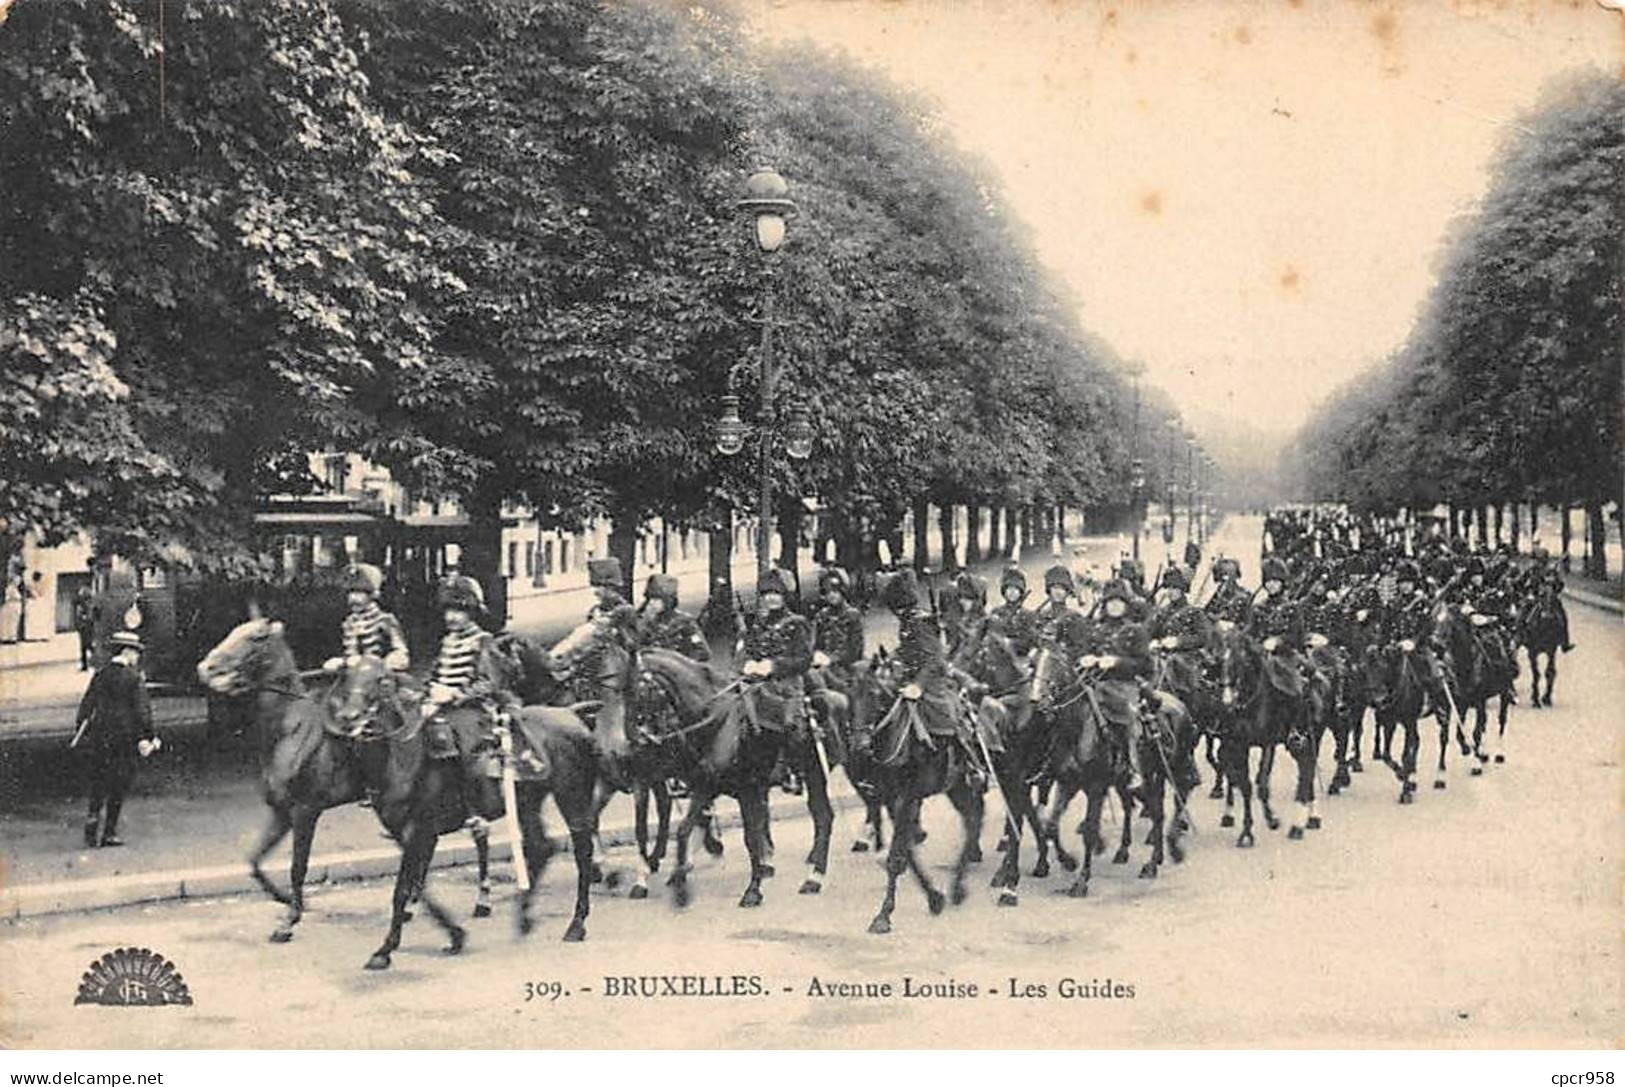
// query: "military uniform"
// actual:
[[467, 690], [1123, 638], [671, 628], [368, 630], [1183, 631], [1229, 602], [963, 611], [784, 640], [1010, 619]]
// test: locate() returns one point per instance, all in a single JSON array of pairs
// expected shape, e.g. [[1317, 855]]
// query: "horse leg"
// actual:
[[1018, 810], [699, 800], [456, 935], [1239, 755], [640, 820], [1407, 769], [1443, 717], [1356, 737], [1127, 801], [1303, 796], [537, 850], [972, 808], [1501, 734], [1059, 799], [1211, 746], [753, 813], [651, 858], [405, 882], [1551, 674], [823, 818], [275, 830], [1266, 769], [482, 853], [1093, 801], [1481, 716], [304, 834], [902, 843]]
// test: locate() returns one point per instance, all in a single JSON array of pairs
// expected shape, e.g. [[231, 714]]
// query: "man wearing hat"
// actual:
[[466, 692], [1058, 589], [1229, 601], [1123, 652], [1181, 630], [837, 627], [664, 625], [1010, 619], [778, 650], [925, 678], [1543, 575], [369, 630], [114, 731]]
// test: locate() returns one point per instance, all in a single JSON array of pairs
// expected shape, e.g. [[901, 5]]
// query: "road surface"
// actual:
[[1486, 915]]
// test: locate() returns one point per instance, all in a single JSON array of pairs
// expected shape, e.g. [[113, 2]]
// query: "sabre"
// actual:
[[987, 757], [510, 804]]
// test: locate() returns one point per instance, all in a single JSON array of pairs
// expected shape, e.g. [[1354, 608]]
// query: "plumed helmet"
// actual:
[[833, 577], [972, 588], [1174, 578], [1117, 589], [1274, 570], [1226, 569], [463, 593], [606, 574], [363, 577], [774, 581], [1059, 575], [661, 586], [1012, 575], [1407, 570], [901, 592]]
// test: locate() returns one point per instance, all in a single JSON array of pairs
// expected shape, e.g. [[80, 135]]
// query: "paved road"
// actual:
[[1484, 916]]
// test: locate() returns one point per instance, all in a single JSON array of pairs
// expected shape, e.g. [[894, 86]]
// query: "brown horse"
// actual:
[[1540, 632], [1479, 666], [307, 769]]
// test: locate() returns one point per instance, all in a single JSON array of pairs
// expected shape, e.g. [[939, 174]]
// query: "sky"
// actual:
[[1248, 198]]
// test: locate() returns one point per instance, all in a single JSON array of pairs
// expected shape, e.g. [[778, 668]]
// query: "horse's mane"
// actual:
[[703, 672]]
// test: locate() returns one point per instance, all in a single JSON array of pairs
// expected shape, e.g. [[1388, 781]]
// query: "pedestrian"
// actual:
[[114, 732], [86, 614], [28, 587], [10, 607]]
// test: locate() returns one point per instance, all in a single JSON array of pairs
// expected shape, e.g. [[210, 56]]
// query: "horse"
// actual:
[[1482, 667], [420, 796], [1247, 724], [307, 769], [906, 766], [1403, 701], [1540, 632], [665, 715]]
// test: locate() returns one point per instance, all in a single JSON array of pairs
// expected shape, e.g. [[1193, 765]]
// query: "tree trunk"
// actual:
[[482, 553], [1060, 527], [945, 529], [1599, 539], [721, 617], [973, 534], [995, 533], [922, 536], [1497, 519], [1517, 526], [1483, 523], [624, 532], [791, 514], [1567, 534]]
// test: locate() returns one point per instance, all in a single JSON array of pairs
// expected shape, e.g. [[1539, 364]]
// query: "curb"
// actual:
[[1594, 600], [134, 889]]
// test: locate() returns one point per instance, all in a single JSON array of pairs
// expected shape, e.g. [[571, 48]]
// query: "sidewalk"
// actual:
[[195, 811]]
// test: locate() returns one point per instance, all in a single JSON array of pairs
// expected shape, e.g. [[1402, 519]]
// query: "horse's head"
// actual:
[[1053, 675], [1230, 652], [244, 658], [871, 690], [368, 693]]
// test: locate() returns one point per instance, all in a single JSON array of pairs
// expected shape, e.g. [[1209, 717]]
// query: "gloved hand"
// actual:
[[148, 747], [440, 694], [1271, 643], [333, 664], [820, 659], [1106, 662], [911, 692]]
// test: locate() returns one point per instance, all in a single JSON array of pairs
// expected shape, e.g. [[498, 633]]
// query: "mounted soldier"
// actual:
[[1543, 577], [777, 649], [1120, 644], [964, 610], [664, 625], [837, 625], [1058, 591], [1229, 600], [367, 629], [1275, 623], [467, 691], [1181, 630], [1011, 619], [924, 678]]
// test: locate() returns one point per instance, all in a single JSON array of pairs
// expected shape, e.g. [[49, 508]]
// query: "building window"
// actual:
[[513, 558], [530, 558], [564, 555], [547, 558], [335, 472]]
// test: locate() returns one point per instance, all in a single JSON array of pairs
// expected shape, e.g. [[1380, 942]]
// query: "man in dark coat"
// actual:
[[1544, 577], [778, 650], [1058, 591], [963, 610], [114, 731], [666, 626], [837, 626], [925, 678], [1230, 601], [1122, 653], [86, 613], [1181, 630], [1010, 619]]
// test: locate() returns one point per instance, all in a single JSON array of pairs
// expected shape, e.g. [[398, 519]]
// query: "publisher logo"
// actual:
[[132, 977]]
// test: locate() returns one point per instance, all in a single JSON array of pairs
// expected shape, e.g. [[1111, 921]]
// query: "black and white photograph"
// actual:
[[811, 525]]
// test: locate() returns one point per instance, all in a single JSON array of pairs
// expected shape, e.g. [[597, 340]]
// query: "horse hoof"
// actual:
[[1041, 869], [1008, 898], [1314, 822], [1120, 857], [407, 915], [1176, 852], [974, 855], [956, 894], [680, 895], [1334, 789], [879, 926], [281, 936], [920, 837], [378, 961], [1148, 870], [638, 891], [935, 901], [575, 933], [1499, 759], [612, 880], [1078, 890], [1227, 820], [1216, 793], [1439, 783], [860, 847], [1002, 846], [525, 923], [1295, 834], [713, 847], [456, 938], [1356, 767], [482, 910], [1407, 797], [750, 899], [767, 871], [1068, 862], [597, 873], [810, 887], [1272, 822], [1477, 771], [1245, 840]]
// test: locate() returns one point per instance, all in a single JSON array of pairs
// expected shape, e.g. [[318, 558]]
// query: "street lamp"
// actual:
[[1137, 470], [1190, 487], [768, 202]]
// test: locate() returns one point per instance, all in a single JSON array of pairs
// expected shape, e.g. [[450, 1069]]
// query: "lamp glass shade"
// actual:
[[770, 232], [798, 434], [730, 428]]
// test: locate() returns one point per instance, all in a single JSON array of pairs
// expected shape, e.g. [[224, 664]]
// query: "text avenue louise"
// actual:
[[829, 987]]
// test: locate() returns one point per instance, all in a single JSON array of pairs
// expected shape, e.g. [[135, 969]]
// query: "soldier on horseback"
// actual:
[[1058, 590], [964, 609], [777, 650], [1181, 630], [665, 625], [924, 676], [367, 629], [467, 692], [1543, 578], [1229, 601], [1120, 645], [1010, 619], [1276, 624], [837, 626]]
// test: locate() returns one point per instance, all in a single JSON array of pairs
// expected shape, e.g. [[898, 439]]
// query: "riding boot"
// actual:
[[1136, 781], [1563, 627]]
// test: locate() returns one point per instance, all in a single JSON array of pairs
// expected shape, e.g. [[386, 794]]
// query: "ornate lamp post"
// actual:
[[1137, 471], [767, 201], [1190, 488]]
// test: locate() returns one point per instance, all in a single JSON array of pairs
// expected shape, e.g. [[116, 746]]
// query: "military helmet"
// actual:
[[901, 592], [363, 577], [662, 586], [606, 574], [1012, 575], [125, 639], [1474, 567], [1407, 570], [1226, 569], [1059, 575], [972, 588], [833, 577], [463, 593], [1174, 578], [1117, 589], [774, 580], [1274, 570]]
